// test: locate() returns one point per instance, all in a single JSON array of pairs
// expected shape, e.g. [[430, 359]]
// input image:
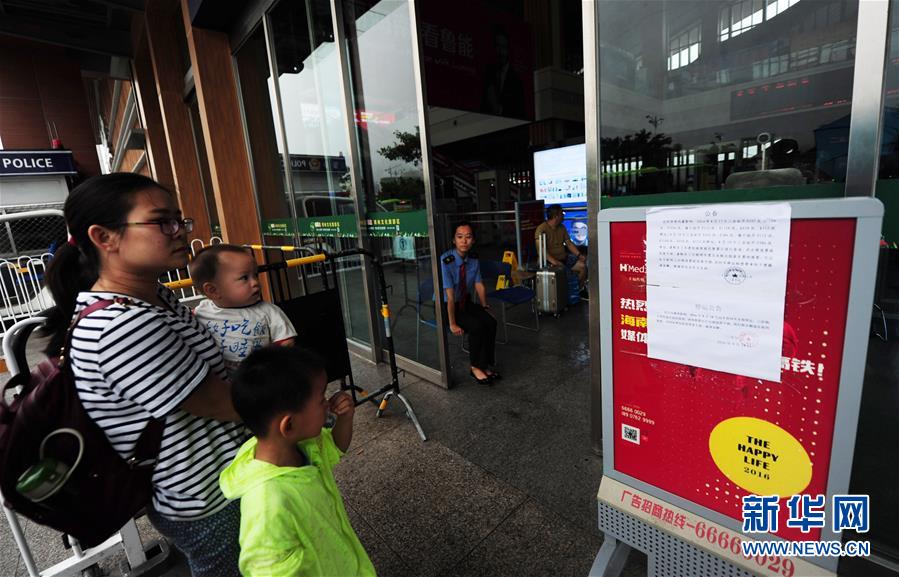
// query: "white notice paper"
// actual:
[[716, 280]]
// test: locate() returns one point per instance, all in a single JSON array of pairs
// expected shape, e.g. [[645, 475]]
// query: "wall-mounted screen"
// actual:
[[561, 175]]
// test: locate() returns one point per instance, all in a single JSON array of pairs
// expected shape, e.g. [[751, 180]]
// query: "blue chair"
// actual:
[[509, 297], [425, 296]]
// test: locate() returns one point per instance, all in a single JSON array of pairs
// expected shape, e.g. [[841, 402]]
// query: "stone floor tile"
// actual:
[[429, 504]]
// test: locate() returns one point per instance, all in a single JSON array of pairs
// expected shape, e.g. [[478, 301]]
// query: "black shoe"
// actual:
[[495, 376], [479, 381]]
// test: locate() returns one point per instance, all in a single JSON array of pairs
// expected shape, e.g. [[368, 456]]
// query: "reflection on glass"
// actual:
[[311, 103], [379, 44], [253, 72], [871, 473], [889, 155], [709, 95]]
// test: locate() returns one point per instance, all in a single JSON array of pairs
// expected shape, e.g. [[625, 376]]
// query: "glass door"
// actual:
[[316, 144], [382, 67]]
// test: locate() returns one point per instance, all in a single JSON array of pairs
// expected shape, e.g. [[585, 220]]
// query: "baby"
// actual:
[[233, 312]]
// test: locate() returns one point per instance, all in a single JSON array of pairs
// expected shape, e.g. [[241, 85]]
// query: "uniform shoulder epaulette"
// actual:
[[448, 259]]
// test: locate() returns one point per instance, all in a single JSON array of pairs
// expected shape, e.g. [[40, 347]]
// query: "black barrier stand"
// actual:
[[312, 312], [391, 389]]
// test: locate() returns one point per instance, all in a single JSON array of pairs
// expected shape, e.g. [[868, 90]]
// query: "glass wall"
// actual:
[[712, 95], [871, 472], [303, 145], [251, 65], [753, 98], [316, 139], [261, 122], [505, 92], [382, 65]]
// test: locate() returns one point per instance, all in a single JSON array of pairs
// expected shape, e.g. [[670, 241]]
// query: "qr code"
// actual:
[[631, 434]]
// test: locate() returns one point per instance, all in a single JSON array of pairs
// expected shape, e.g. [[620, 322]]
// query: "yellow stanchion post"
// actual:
[[180, 284]]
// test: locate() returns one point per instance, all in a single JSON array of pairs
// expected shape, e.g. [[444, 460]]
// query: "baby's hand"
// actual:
[[341, 404]]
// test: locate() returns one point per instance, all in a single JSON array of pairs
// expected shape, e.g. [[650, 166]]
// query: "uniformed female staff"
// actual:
[[462, 278]]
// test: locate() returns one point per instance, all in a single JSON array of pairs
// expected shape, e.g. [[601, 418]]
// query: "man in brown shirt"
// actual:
[[560, 251]]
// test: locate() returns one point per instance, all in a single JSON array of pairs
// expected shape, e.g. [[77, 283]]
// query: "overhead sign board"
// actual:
[[36, 162]]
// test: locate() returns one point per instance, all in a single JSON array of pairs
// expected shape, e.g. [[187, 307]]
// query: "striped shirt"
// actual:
[[135, 361]]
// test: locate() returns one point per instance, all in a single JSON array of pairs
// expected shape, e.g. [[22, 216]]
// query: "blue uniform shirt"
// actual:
[[451, 272]]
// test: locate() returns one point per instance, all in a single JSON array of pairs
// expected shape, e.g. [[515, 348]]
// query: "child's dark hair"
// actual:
[[205, 264], [102, 200], [273, 380]]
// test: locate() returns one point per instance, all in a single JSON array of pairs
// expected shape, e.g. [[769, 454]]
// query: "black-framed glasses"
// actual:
[[169, 226]]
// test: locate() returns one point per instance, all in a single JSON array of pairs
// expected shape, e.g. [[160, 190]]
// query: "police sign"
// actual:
[[35, 162], [307, 163]]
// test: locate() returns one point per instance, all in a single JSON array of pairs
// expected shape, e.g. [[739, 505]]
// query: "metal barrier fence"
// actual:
[[31, 229], [28, 238], [178, 275]]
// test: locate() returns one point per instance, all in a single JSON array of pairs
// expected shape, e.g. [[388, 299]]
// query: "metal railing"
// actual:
[[28, 239], [31, 229], [178, 276]]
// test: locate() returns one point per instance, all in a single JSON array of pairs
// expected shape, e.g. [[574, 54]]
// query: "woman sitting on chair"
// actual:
[[462, 278]]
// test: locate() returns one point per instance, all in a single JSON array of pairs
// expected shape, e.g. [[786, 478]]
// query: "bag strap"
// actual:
[[24, 377], [146, 450], [91, 308]]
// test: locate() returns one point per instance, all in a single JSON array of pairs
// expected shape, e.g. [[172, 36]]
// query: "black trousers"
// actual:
[[481, 328]]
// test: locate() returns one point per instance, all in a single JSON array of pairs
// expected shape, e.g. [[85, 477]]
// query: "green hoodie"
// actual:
[[292, 519]]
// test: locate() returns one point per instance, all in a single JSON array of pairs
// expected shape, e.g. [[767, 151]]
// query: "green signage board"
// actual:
[[378, 224], [341, 226], [278, 227], [391, 224]]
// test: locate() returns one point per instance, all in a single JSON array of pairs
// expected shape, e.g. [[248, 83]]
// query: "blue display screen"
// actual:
[[576, 223]]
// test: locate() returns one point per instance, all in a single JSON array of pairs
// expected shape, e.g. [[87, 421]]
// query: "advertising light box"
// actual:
[[703, 439]]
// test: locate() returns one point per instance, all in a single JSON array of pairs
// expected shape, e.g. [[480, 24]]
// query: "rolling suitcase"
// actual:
[[552, 285]]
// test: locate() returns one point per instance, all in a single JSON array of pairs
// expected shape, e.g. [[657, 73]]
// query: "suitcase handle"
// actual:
[[542, 252]]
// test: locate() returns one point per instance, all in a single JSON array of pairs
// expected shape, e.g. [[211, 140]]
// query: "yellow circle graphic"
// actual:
[[760, 457]]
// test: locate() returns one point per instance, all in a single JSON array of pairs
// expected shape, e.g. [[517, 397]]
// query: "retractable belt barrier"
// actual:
[[326, 306]]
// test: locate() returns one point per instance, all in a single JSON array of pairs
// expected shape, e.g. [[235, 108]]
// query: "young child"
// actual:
[[233, 312], [292, 518]]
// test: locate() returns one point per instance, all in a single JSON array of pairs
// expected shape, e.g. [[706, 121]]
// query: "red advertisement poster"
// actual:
[[478, 59], [531, 214], [712, 437]]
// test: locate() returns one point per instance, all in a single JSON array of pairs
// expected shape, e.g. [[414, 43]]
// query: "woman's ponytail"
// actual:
[[68, 274]]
